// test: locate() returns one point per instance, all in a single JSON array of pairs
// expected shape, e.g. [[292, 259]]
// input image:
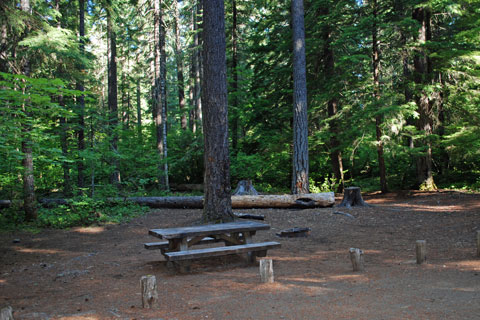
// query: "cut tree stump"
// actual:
[[356, 256], [266, 270], [6, 313], [352, 197], [245, 188], [149, 291], [421, 250]]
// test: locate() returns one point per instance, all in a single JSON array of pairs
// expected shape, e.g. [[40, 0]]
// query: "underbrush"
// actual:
[[81, 211]]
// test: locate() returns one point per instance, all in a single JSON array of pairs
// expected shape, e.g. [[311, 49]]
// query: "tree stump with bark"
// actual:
[[245, 188], [352, 197]]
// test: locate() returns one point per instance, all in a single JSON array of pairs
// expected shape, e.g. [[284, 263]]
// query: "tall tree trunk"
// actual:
[[332, 109], [217, 200], [112, 96], [139, 111], [234, 106], [81, 101], [63, 133], [179, 60], [423, 77], [300, 121], [163, 92], [67, 185], [29, 198], [157, 98], [376, 96], [198, 64], [159, 103]]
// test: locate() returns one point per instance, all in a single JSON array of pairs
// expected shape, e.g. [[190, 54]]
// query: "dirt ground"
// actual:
[[94, 272]]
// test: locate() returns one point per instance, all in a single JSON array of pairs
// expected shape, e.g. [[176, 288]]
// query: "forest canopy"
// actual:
[[100, 98]]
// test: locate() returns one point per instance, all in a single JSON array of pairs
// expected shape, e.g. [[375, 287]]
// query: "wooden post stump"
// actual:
[[478, 243], [149, 291], [352, 197], [266, 270], [6, 313], [356, 256], [421, 249]]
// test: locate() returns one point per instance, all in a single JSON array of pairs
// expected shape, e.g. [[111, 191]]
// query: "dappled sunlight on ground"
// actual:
[[41, 251], [89, 230], [93, 273], [465, 265]]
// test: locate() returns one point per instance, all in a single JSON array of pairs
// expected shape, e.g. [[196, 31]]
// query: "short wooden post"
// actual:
[[356, 256], [6, 313], [149, 291], [478, 243], [421, 248], [266, 270]]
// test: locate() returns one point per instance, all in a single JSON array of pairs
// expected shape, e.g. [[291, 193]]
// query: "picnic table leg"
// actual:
[[248, 239]]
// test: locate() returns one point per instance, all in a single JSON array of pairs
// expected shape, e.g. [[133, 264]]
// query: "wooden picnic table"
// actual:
[[237, 237]]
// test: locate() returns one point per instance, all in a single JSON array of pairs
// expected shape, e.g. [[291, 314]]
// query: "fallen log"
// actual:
[[326, 199], [5, 204]]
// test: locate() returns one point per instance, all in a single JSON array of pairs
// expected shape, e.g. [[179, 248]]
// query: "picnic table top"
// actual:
[[209, 229]]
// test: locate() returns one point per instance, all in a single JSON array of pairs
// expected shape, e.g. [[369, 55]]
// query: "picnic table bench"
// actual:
[[236, 236]]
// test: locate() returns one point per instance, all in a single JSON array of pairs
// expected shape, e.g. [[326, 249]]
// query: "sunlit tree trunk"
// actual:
[[81, 101], [423, 77], [300, 121], [29, 198], [179, 60], [376, 94], [332, 109], [163, 92], [112, 96], [234, 106], [158, 89]]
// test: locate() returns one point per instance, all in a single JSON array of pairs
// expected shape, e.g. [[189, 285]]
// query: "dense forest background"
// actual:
[[100, 98]]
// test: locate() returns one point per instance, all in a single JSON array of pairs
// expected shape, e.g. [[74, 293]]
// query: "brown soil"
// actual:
[[94, 273]]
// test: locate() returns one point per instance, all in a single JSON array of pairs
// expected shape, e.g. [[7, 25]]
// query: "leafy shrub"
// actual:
[[78, 212]]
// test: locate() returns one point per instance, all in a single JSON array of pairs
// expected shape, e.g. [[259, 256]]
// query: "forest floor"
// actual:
[[94, 272]]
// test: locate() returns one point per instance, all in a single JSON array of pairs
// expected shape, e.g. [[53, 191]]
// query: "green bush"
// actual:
[[78, 212]]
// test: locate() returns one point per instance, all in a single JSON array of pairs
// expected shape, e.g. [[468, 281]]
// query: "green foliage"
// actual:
[[82, 211]]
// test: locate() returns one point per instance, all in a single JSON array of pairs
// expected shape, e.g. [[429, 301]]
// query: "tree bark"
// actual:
[[81, 100], [179, 60], [422, 77], [159, 101], [67, 185], [332, 108], [29, 198], [300, 121], [139, 111], [198, 66], [218, 206], [376, 96], [163, 92], [112, 95], [234, 106], [352, 197]]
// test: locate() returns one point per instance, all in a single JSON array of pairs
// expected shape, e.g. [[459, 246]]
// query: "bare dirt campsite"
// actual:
[[94, 272]]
